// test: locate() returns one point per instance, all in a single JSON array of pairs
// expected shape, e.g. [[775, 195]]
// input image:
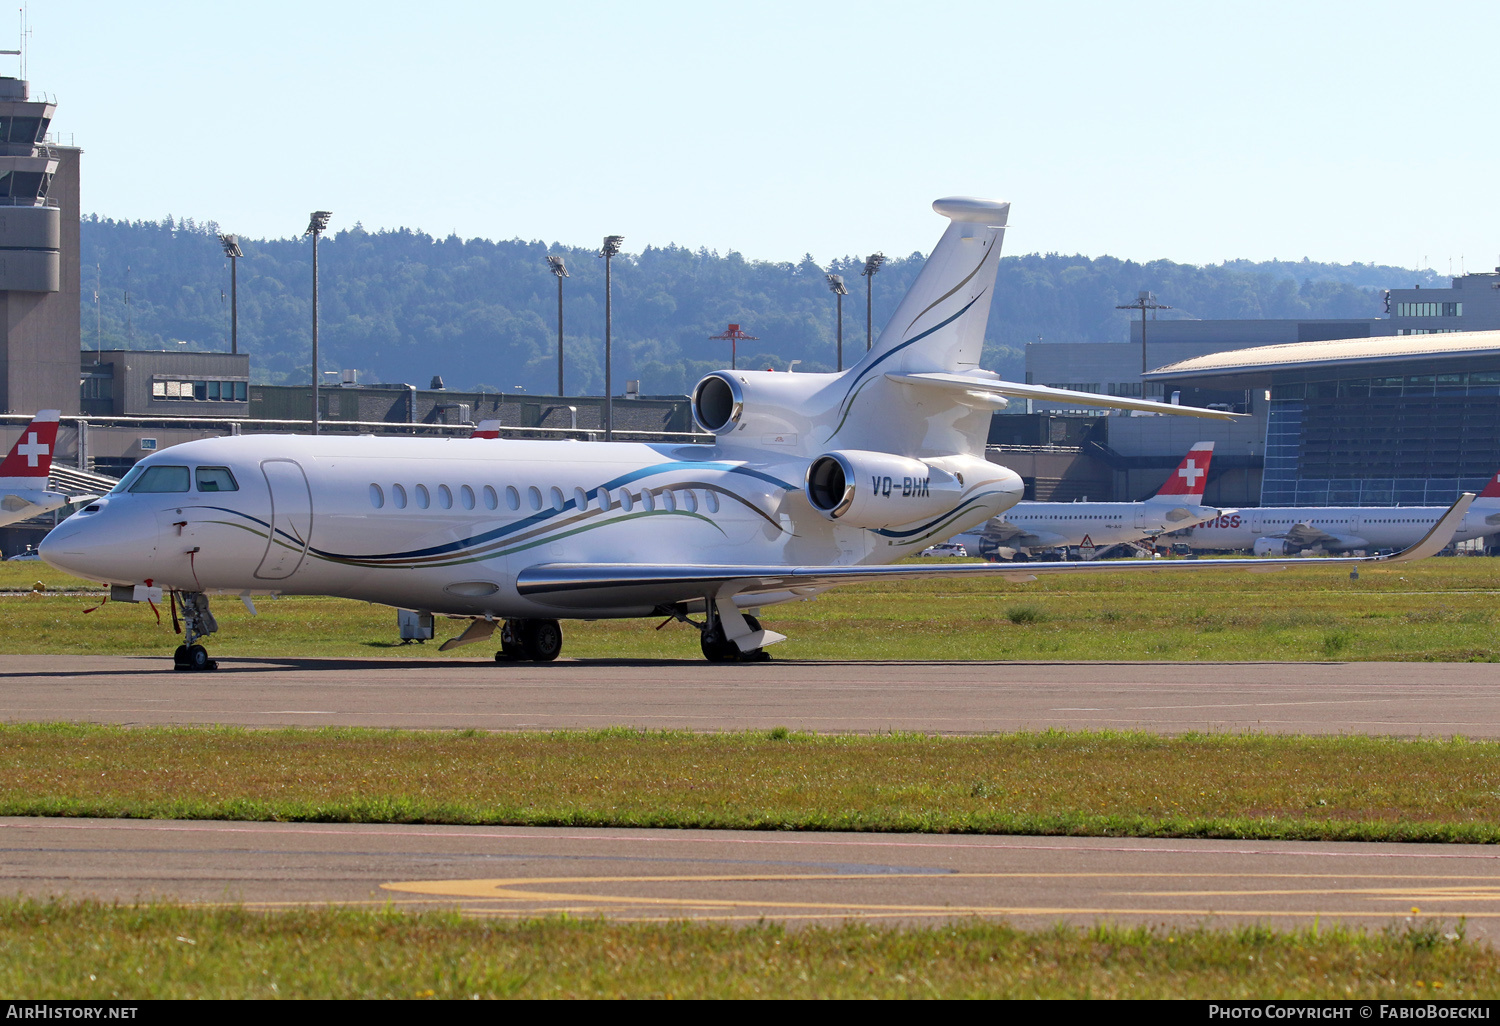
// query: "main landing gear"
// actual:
[[717, 646], [197, 623], [719, 649], [537, 640]]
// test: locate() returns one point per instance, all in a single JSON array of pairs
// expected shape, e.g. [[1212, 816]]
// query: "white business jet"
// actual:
[[1028, 526], [23, 473], [813, 480]]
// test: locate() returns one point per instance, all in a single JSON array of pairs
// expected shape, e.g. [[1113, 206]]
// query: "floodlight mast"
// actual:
[[556, 266], [317, 224], [231, 244], [836, 286], [608, 251], [872, 267]]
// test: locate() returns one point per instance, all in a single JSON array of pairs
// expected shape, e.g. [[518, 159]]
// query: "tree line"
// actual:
[[403, 306]]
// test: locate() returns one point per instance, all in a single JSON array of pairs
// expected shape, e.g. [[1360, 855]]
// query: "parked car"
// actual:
[[945, 549]]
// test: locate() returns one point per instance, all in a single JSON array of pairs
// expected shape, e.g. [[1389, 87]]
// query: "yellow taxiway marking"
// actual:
[[523, 889]]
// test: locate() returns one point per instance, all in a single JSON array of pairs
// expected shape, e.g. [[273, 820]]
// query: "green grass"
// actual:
[[91, 951], [1080, 783], [1438, 610]]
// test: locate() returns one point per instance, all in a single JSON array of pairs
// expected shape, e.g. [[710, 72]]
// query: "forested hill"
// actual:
[[404, 306]]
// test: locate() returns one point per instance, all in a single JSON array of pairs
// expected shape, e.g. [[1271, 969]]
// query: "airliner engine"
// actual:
[[877, 489]]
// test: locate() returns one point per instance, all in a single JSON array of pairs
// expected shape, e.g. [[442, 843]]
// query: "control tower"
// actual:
[[40, 331]]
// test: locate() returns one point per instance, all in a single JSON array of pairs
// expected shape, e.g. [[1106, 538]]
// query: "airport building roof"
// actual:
[[1250, 367]]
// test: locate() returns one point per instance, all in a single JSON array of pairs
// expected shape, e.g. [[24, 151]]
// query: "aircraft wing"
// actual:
[[585, 585]]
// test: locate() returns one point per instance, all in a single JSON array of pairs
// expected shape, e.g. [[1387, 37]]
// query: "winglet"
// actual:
[[1434, 540], [487, 429]]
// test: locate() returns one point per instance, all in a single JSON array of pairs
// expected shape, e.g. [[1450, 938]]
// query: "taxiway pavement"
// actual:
[[742, 876], [1401, 699]]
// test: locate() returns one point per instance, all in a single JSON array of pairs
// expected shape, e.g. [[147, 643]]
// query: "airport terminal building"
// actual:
[[1409, 419]]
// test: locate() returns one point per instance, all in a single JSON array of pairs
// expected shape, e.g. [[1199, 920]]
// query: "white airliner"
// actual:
[[1286, 531], [23, 474], [1028, 526], [813, 480]]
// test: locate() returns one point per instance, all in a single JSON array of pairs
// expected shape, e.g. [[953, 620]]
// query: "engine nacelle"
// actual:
[[1271, 547], [878, 489], [757, 407]]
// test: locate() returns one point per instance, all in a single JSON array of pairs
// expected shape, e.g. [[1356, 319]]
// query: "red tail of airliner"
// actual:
[[30, 459], [1191, 475]]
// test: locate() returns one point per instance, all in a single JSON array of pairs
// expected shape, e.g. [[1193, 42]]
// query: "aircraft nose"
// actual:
[[101, 547]]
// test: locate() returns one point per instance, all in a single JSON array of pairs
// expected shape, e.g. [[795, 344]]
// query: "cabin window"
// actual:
[[580, 498], [668, 501], [491, 500], [557, 498], [377, 497], [648, 501], [445, 497], [163, 479], [512, 497], [398, 496], [466, 496], [216, 479], [690, 501], [627, 501], [534, 497], [604, 501], [423, 499], [711, 500]]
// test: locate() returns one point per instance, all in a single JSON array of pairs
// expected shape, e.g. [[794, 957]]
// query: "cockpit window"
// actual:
[[128, 480], [163, 479], [216, 479]]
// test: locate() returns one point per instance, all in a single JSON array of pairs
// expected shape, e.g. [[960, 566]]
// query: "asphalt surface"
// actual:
[[745, 876], [740, 876], [1403, 699]]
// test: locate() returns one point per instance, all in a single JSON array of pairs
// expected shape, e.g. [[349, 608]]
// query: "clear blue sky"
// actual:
[[1190, 131]]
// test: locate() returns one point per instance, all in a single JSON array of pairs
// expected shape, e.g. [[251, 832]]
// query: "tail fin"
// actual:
[[487, 429], [939, 325], [1491, 490], [1191, 476], [30, 459]]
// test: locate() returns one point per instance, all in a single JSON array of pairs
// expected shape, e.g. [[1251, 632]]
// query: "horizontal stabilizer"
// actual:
[[962, 383]]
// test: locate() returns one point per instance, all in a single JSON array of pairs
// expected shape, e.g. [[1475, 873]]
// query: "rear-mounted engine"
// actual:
[[877, 489]]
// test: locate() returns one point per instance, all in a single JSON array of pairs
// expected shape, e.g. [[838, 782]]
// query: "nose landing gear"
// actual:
[[197, 623]]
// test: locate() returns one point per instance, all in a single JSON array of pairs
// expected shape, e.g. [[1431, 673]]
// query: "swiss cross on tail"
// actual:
[[1191, 474], [31, 456]]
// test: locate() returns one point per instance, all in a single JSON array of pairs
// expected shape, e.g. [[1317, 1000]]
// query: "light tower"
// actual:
[[836, 286], [231, 244], [872, 267], [317, 224], [608, 251], [556, 266]]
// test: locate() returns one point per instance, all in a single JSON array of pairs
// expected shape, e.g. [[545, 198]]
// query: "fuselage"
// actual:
[[444, 525], [1337, 528], [1037, 525]]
